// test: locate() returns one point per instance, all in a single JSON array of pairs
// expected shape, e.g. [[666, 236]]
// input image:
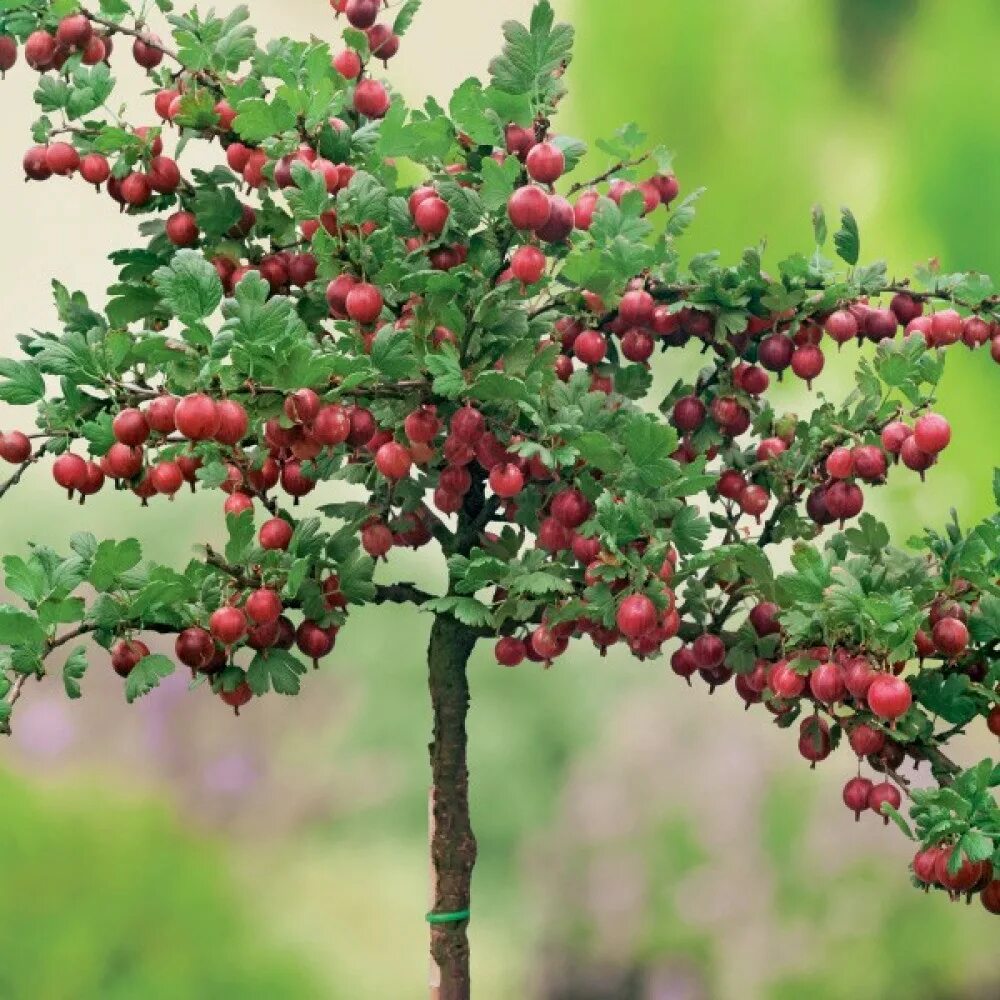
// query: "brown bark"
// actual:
[[453, 844]]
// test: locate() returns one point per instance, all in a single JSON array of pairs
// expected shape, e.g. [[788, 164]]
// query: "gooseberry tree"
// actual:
[[412, 314]]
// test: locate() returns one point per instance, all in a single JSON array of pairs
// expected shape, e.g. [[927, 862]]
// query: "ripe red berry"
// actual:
[[689, 413], [914, 457], [263, 606], [545, 162], [506, 480], [753, 500], [364, 303], [990, 897], [528, 264], [431, 215], [275, 534], [857, 793], [61, 158], [807, 362], [932, 433], [869, 463], [709, 651], [166, 478], [15, 447], [590, 347], [775, 352], [148, 51], [361, 13], [636, 616], [40, 50], [638, 345], [239, 696], [228, 625], [70, 472], [8, 53], [951, 637], [130, 427], [826, 682], [233, 422], [126, 654], [570, 507], [840, 463], [376, 540], [347, 63], [182, 229], [946, 328], [510, 651], [136, 190], [529, 208], [785, 682], [866, 741], [560, 223], [35, 164], [393, 460], [314, 641], [371, 99], [196, 417], [889, 697], [884, 794], [195, 648]]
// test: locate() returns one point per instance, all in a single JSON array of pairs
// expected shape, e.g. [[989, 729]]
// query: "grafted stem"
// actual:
[[453, 844]]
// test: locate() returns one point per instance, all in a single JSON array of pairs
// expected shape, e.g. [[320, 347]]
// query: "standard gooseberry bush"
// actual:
[[467, 355]]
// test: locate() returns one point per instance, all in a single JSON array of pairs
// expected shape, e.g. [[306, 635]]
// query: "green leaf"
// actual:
[[24, 384], [190, 285], [467, 610], [146, 675], [111, 560], [241, 536], [17, 629], [404, 18], [73, 670], [649, 445], [449, 381], [498, 181], [533, 54], [257, 120], [277, 669], [819, 225], [847, 239], [599, 450]]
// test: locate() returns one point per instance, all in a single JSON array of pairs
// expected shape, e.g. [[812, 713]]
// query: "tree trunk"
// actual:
[[453, 844]]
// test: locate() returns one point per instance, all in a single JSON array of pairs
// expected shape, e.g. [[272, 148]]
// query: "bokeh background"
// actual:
[[639, 840]]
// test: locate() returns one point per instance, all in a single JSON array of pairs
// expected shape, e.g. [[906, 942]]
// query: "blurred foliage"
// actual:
[[105, 900]]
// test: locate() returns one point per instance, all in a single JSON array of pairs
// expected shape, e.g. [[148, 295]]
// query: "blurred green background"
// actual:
[[638, 840]]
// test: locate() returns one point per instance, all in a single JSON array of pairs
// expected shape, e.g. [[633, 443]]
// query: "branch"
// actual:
[[145, 37], [21, 470], [400, 593], [617, 168]]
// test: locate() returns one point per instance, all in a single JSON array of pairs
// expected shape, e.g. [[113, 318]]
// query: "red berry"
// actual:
[[990, 897], [866, 741], [347, 63], [431, 215], [197, 417], [560, 223], [951, 637], [275, 534], [136, 190], [590, 347], [182, 229], [709, 651], [636, 616], [314, 641], [889, 697], [361, 13], [840, 463], [638, 345], [62, 159], [376, 539], [393, 460], [932, 433], [40, 50], [468, 424], [506, 480], [764, 619], [130, 427], [913, 457], [264, 606], [884, 794], [807, 362], [775, 352], [160, 414], [8, 53], [15, 447], [946, 328], [195, 648], [147, 51], [545, 163], [753, 500], [826, 682], [126, 654], [35, 164], [228, 625], [166, 478], [528, 264], [509, 651], [70, 471], [869, 463], [570, 507], [529, 208], [95, 169], [784, 681], [371, 99], [689, 413], [364, 303], [240, 695], [294, 481], [856, 794]]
